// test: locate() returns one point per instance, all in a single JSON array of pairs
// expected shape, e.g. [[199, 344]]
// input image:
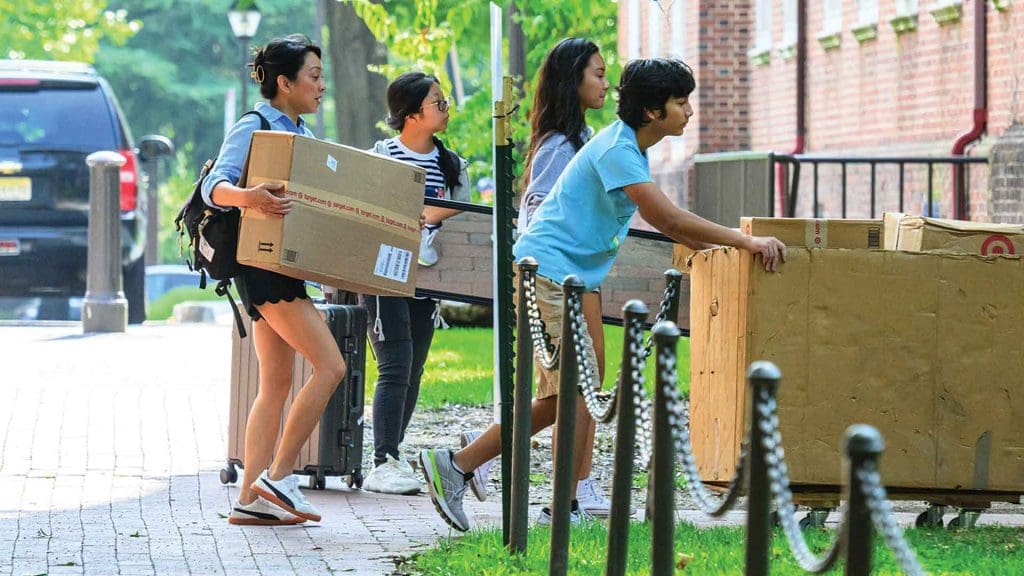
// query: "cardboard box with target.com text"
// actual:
[[354, 222], [923, 234]]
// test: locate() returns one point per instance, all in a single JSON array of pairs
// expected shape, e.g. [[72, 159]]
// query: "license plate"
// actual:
[[10, 247], [15, 189]]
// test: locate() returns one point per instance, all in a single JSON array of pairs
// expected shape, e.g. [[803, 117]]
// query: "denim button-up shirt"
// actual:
[[235, 148]]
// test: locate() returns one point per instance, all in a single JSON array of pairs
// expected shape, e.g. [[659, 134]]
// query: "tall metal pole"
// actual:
[[504, 327], [245, 75]]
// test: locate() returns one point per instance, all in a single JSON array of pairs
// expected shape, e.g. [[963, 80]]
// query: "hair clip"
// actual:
[[257, 74]]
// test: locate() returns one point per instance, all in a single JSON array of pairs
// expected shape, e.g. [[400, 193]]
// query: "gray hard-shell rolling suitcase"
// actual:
[[335, 448]]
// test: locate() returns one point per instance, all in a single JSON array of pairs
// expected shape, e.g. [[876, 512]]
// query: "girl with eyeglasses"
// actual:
[[402, 328]]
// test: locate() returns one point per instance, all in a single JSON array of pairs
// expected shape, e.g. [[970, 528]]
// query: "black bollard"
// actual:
[[565, 426], [634, 313], [862, 444], [666, 335], [519, 509], [764, 379]]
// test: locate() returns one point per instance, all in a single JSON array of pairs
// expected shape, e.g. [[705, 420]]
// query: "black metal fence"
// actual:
[[898, 173], [659, 428]]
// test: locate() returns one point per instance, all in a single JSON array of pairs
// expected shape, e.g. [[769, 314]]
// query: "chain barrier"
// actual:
[[545, 352], [778, 476], [679, 418], [882, 517]]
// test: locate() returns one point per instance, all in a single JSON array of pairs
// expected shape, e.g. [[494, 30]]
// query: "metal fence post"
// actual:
[[764, 379], [565, 424], [519, 509], [105, 308], [862, 444], [634, 313], [666, 335], [673, 278]]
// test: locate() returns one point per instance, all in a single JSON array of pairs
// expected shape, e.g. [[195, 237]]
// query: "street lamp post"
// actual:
[[244, 17]]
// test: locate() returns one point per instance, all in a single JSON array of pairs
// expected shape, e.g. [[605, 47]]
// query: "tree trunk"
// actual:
[[359, 95]]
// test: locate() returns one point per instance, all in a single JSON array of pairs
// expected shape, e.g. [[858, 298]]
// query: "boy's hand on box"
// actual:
[[269, 198], [771, 250]]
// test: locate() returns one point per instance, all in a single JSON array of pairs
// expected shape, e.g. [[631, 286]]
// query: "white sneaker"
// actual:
[[478, 484], [285, 493], [428, 254], [576, 517], [392, 477], [592, 499], [259, 512]]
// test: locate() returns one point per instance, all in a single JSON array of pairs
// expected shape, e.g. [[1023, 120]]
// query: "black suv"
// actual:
[[53, 115]]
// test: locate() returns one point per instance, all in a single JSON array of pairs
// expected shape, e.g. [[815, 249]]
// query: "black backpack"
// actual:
[[212, 241]]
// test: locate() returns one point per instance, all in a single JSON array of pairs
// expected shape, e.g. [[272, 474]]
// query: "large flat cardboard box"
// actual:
[[807, 232], [817, 232], [923, 234], [928, 348], [354, 222]]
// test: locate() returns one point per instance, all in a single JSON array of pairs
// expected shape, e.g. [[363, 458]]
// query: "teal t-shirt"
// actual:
[[580, 225]]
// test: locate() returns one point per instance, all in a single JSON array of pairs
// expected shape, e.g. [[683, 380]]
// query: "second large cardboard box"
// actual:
[[923, 234], [807, 232], [354, 222], [928, 348]]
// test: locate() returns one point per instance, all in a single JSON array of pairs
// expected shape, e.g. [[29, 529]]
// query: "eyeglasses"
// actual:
[[442, 105]]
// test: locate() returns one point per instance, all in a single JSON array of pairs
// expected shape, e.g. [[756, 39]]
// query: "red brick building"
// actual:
[[882, 78]]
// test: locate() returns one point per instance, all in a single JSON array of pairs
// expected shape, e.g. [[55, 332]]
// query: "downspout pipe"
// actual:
[[801, 108], [961, 196]]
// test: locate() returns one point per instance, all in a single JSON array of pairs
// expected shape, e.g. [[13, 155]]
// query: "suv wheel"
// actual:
[[135, 291]]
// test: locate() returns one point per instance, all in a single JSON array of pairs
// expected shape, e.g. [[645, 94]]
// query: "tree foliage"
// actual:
[[61, 29], [420, 33]]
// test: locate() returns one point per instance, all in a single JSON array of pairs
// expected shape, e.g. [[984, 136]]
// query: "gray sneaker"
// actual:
[[576, 517], [479, 481], [447, 486]]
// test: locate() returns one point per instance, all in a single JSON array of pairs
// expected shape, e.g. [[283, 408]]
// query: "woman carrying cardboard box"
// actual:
[[290, 76], [402, 328]]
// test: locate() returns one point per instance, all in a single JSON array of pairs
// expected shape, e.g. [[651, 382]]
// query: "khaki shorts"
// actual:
[[550, 300]]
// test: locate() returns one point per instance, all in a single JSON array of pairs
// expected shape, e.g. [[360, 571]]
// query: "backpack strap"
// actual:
[[222, 289], [264, 123]]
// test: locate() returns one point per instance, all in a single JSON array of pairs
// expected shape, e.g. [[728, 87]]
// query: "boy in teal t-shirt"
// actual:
[[578, 229]]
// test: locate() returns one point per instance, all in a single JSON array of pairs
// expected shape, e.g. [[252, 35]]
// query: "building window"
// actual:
[[906, 7], [789, 29], [905, 19], [633, 44], [655, 29], [677, 42], [867, 12], [833, 16], [761, 52]]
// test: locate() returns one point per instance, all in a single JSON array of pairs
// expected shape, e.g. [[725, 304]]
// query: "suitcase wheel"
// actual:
[[317, 481], [355, 479], [229, 475]]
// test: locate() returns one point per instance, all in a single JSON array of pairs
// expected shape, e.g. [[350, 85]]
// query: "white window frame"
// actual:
[[833, 16], [677, 21], [655, 30], [907, 7], [867, 12], [790, 16], [633, 42]]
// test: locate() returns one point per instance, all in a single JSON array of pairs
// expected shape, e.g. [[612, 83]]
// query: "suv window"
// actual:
[[62, 118]]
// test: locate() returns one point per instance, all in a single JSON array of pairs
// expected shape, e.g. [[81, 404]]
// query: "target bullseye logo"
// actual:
[[997, 244]]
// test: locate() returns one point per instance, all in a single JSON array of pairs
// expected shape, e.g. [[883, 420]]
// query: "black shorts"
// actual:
[[257, 287]]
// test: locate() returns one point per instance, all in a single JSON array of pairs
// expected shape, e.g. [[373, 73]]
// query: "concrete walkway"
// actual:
[[110, 447]]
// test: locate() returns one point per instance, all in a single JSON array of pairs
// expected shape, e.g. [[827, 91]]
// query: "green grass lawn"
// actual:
[[981, 551], [460, 367]]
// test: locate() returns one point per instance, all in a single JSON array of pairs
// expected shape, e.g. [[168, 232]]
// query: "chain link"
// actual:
[[882, 516], [544, 351], [778, 478]]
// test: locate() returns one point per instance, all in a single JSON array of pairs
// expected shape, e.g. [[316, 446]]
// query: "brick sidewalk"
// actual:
[[110, 447]]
